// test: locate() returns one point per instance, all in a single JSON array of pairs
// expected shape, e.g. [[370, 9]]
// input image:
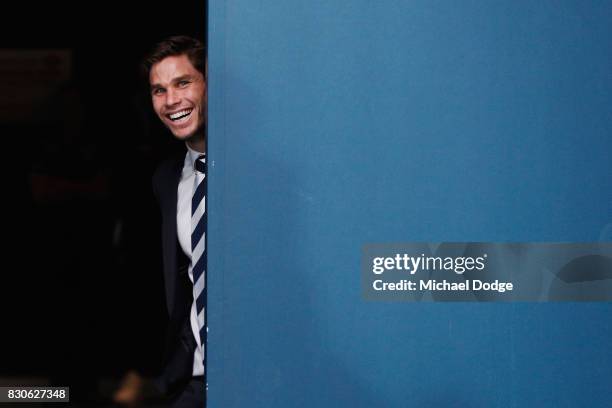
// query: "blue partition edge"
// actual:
[[338, 124]]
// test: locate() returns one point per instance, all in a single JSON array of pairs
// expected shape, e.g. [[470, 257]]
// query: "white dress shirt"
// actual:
[[183, 223]]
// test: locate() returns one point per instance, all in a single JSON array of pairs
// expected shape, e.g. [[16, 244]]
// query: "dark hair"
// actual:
[[175, 46]]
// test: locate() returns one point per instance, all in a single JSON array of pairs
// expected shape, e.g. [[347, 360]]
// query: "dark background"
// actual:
[[82, 291]]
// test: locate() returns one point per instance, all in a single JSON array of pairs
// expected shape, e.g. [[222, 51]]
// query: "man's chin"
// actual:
[[182, 134], [185, 135]]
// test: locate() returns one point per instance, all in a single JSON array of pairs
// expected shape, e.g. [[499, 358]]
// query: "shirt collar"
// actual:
[[190, 158]]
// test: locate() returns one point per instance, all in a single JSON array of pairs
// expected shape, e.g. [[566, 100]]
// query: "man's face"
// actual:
[[178, 91]]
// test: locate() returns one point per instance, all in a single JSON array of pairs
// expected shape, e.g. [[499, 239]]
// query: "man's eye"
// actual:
[[158, 91], [183, 84]]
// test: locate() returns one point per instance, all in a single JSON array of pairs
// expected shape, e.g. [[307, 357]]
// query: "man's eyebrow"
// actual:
[[186, 77]]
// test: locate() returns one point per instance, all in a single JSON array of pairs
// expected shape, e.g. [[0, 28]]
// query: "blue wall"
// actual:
[[339, 123]]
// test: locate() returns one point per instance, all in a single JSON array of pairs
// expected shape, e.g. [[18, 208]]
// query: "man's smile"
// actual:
[[177, 116]]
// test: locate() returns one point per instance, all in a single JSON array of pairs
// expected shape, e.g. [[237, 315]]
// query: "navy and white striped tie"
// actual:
[[198, 246]]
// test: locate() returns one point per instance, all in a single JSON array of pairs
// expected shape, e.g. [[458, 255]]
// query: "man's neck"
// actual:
[[198, 143]]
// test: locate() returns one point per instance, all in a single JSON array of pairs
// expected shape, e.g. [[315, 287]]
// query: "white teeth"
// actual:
[[180, 114]]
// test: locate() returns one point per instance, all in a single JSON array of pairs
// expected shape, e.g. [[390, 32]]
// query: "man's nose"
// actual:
[[172, 97]]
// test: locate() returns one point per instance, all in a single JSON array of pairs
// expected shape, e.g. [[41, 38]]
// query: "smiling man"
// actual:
[[176, 71]]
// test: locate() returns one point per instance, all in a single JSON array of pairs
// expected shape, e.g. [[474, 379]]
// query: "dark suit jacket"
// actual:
[[180, 344]]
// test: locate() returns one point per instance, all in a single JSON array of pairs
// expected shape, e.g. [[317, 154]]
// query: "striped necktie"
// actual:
[[198, 246]]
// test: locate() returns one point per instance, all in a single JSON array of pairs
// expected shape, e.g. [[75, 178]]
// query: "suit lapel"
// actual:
[[169, 231]]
